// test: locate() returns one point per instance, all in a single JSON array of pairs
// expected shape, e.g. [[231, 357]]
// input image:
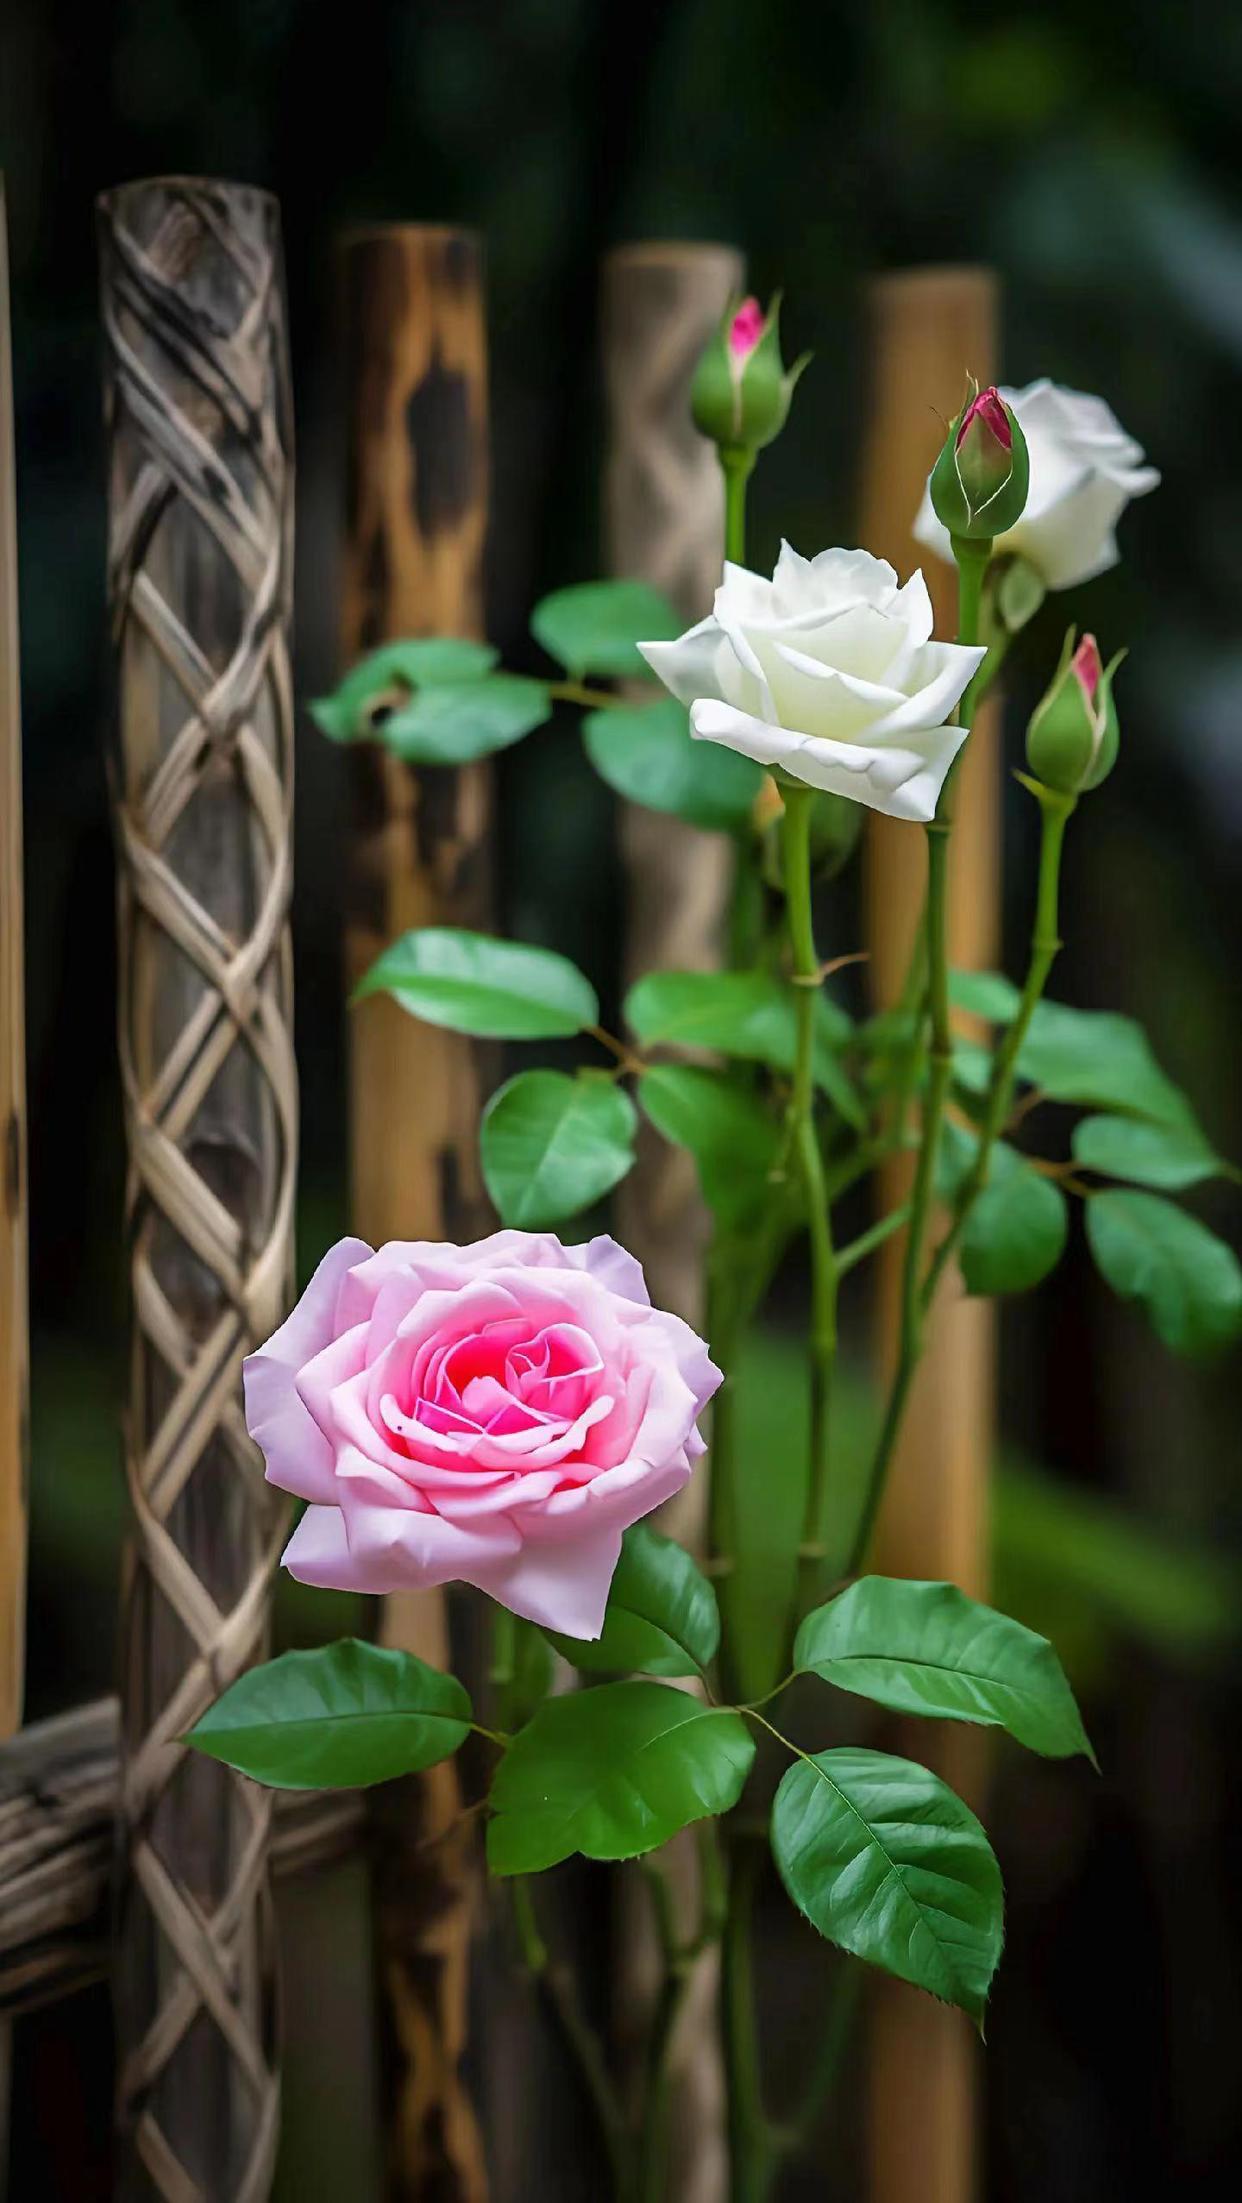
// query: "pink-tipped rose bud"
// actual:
[[1086, 664], [979, 483], [745, 329], [741, 389], [1071, 742]]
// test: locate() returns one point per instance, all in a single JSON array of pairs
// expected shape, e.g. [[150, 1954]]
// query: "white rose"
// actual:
[[829, 671], [1084, 471]]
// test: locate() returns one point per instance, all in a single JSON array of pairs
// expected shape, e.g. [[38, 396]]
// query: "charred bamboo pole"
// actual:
[[928, 328], [199, 572], [664, 523], [420, 855], [14, 1329]]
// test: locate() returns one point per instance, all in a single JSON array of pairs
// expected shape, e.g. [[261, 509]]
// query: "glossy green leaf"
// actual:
[[1014, 1234], [613, 1772], [381, 684], [338, 1718], [926, 1648], [733, 1139], [453, 725], [499, 990], [596, 627], [647, 753], [985, 994], [1167, 1156], [1187, 1281], [662, 1616], [1101, 1060], [552, 1145], [886, 1861], [749, 1015]]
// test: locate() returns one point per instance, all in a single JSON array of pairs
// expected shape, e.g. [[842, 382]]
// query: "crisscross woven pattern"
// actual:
[[199, 580]]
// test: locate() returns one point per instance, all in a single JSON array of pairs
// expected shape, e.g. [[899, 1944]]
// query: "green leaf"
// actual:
[[499, 990], [972, 1065], [552, 1145], [986, 994], [469, 719], [1015, 1232], [1169, 1156], [926, 1648], [1101, 1060], [647, 754], [1021, 592], [613, 1772], [662, 1617], [732, 1138], [748, 1015], [596, 627], [885, 1860], [338, 1718], [381, 683], [1187, 1281]]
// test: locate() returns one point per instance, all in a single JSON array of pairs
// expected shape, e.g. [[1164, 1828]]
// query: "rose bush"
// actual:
[[828, 671], [497, 1414], [1084, 470]]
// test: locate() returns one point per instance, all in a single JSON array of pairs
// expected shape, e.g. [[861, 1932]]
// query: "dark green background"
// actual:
[[1089, 152]]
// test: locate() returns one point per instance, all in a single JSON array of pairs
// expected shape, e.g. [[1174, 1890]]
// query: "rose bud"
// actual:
[[979, 483], [741, 389], [1071, 742]]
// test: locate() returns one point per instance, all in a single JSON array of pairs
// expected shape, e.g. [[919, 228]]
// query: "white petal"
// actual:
[[902, 781]]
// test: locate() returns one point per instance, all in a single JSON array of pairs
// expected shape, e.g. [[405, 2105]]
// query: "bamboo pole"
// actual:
[[928, 328], [14, 1328], [420, 855], [664, 523], [199, 570]]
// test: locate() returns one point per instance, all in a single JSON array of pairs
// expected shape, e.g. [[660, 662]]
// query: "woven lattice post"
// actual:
[[928, 328], [420, 854], [664, 523], [199, 578]]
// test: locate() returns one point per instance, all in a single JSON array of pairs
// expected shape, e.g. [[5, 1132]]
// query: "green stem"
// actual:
[[1055, 812], [582, 692], [822, 1335], [972, 566], [579, 2039], [750, 2146], [737, 466], [867, 1242]]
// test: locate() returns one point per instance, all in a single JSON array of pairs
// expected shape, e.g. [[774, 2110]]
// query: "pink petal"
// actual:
[[298, 1457]]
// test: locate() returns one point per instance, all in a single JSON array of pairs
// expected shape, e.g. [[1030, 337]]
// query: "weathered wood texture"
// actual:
[[199, 572], [419, 855], [664, 523], [928, 329], [60, 1795]]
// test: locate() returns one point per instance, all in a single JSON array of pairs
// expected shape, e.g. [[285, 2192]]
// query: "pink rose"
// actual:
[[497, 1414]]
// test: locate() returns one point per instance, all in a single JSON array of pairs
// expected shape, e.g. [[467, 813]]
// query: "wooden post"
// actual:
[[14, 1329], [928, 329], [199, 572], [664, 523], [420, 855]]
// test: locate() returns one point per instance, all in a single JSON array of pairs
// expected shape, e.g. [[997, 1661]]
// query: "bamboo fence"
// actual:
[[420, 854], [928, 328]]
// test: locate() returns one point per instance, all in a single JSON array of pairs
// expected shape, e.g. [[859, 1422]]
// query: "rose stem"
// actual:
[[1045, 943], [972, 565], [558, 1993], [822, 1332], [737, 466]]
